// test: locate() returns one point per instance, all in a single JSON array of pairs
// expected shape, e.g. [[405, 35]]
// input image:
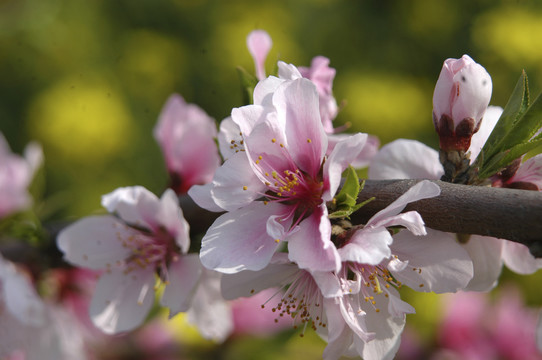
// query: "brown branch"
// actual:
[[502, 213]]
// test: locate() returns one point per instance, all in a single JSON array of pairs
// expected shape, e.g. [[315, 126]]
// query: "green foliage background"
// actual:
[[87, 78]]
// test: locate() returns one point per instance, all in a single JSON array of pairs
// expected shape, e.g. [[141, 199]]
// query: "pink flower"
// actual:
[[16, 175], [461, 97], [146, 237], [276, 186], [186, 135], [357, 309], [259, 43]]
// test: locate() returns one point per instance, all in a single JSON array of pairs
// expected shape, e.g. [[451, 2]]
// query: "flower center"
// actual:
[[156, 249], [302, 301]]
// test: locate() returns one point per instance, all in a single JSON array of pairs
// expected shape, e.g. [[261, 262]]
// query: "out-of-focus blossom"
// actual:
[[473, 328], [322, 76], [16, 174], [460, 99], [259, 43], [144, 237], [29, 328], [187, 135], [276, 186], [409, 159]]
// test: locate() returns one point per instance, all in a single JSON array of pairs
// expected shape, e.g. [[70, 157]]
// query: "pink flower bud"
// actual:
[[461, 97], [259, 43]]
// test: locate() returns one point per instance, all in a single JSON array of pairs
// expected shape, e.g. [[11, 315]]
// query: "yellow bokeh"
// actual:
[[80, 118], [389, 106], [150, 64], [512, 34]]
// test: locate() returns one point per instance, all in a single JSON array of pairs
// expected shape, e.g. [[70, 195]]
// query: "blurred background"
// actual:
[[87, 80]]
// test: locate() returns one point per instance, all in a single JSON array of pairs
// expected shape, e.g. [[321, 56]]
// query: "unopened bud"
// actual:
[[461, 97]]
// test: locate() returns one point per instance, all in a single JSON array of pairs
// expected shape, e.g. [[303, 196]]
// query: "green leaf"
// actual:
[[349, 192], [513, 136], [248, 83], [514, 109]]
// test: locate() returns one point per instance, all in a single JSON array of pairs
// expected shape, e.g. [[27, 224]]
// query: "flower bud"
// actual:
[[461, 97]]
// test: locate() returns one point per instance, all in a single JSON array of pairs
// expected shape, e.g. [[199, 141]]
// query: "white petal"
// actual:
[[238, 239], [201, 194], [184, 275], [280, 271], [122, 301], [485, 253], [518, 258], [95, 242], [235, 184], [20, 296], [422, 190], [406, 159], [367, 246], [441, 264], [132, 204], [209, 312]]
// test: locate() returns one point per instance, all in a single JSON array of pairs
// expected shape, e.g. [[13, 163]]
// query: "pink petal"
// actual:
[[95, 242], [259, 43], [311, 247], [406, 159], [122, 301], [530, 171], [186, 135], [184, 275], [238, 239], [296, 103]]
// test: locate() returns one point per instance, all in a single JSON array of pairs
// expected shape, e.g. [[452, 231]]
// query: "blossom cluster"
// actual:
[[281, 182]]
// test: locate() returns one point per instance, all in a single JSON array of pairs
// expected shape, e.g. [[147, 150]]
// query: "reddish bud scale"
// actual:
[[458, 138]]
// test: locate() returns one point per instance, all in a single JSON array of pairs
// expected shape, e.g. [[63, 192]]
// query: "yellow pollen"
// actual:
[[277, 240], [377, 310], [281, 145], [265, 202], [273, 140], [309, 141], [245, 188], [421, 285], [260, 157]]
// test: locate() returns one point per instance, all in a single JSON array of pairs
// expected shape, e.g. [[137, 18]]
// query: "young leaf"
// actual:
[[514, 109]]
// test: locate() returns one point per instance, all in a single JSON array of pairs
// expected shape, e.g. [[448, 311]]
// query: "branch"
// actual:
[[510, 214]]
